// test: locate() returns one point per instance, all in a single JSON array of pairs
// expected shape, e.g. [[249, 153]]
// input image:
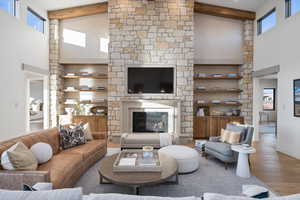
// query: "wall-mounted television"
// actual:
[[150, 80]]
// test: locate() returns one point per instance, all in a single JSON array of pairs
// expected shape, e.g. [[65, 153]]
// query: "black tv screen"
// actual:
[[154, 80]]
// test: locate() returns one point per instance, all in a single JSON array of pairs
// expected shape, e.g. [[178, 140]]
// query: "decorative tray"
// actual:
[[133, 161]]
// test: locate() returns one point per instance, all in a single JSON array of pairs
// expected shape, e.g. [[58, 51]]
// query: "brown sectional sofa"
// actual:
[[65, 167]]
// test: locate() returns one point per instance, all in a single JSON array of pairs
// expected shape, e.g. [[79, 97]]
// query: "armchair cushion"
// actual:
[[220, 147], [238, 128]]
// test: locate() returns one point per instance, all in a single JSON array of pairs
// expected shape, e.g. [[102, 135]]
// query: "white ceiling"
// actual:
[[59, 4], [238, 4]]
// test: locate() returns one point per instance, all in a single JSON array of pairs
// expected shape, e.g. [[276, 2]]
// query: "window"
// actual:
[[269, 99], [266, 22], [9, 6], [291, 7], [35, 21]]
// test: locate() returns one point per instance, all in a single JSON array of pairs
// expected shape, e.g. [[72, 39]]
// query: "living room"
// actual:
[[153, 99]]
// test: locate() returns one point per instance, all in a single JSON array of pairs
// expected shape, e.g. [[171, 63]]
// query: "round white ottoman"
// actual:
[[187, 158]]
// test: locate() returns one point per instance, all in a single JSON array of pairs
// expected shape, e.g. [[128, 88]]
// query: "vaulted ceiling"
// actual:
[[238, 4]]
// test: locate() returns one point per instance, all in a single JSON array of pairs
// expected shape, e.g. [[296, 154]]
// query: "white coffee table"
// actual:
[[243, 169]]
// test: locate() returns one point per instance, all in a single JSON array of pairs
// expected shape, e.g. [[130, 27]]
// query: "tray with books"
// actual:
[[133, 161]]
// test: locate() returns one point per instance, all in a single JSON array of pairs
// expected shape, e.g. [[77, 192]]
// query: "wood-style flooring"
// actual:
[[279, 171]]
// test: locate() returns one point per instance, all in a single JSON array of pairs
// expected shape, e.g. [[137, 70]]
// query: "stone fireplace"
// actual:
[[158, 33], [150, 116]]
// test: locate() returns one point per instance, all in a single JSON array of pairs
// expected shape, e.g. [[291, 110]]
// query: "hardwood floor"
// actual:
[[279, 171]]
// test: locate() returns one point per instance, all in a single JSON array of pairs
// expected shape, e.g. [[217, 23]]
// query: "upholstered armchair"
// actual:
[[222, 151]]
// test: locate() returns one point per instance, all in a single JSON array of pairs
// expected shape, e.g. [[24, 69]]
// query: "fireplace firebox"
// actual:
[[150, 122]]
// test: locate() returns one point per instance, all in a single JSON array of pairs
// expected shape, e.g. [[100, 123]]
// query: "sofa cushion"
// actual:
[[88, 149], [220, 147], [61, 166], [134, 197], [64, 194], [211, 196], [152, 138], [49, 136]]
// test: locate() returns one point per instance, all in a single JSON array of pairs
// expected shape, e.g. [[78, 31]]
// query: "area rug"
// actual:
[[211, 177]]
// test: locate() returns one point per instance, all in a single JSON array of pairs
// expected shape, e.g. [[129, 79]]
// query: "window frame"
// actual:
[[259, 21], [38, 16], [288, 8], [14, 8], [274, 99]]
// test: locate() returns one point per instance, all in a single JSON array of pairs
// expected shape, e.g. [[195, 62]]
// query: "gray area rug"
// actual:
[[211, 177]]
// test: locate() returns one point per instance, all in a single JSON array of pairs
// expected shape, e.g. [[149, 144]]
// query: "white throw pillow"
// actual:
[[63, 194], [42, 151], [5, 162]]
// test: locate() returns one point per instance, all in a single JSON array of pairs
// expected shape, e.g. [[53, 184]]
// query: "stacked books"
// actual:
[[200, 145], [70, 74], [71, 101], [100, 88], [201, 88]]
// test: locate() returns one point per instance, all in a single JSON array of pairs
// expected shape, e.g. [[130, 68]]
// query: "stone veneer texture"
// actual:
[[246, 84], [56, 71], [151, 32]]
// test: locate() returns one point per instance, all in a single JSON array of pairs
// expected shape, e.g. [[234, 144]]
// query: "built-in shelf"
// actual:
[[218, 78], [78, 91], [215, 91], [219, 104], [90, 77], [84, 102]]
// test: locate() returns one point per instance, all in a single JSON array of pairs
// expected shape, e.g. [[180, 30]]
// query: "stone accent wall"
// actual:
[[55, 71], [151, 32], [246, 84]]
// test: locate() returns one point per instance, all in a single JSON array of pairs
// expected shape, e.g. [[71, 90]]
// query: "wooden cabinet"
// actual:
[[204, 127], [97, 123]]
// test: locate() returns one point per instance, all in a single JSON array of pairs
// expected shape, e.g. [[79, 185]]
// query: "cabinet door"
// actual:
[[201, 127], [97, 123], [215, 126]]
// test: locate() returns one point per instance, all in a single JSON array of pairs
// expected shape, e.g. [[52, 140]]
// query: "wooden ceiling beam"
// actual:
[[79, 11], [224, 12], [199, 8]]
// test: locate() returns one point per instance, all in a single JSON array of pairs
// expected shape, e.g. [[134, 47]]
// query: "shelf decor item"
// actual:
[[297, 98], [99, 110]]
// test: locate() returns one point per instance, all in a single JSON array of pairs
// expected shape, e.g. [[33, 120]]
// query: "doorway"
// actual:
[[36, 102], [265, 107]]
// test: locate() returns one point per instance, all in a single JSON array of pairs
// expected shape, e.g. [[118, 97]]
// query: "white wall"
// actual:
[[95, 27], [280, 46], [19, 44], [218, 40]]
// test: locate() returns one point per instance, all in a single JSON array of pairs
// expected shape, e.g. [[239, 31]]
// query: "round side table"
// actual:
[[243, 169]]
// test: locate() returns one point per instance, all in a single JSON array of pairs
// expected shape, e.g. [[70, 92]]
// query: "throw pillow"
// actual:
[[234, 137], [87, 132], [224, 135], [28, 188], [255, 191], [63, 194], [71, 137], [5, 162], [22, 158], [42, 151]]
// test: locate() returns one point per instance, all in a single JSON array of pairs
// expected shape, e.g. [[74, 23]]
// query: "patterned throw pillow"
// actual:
[[71, 137]]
